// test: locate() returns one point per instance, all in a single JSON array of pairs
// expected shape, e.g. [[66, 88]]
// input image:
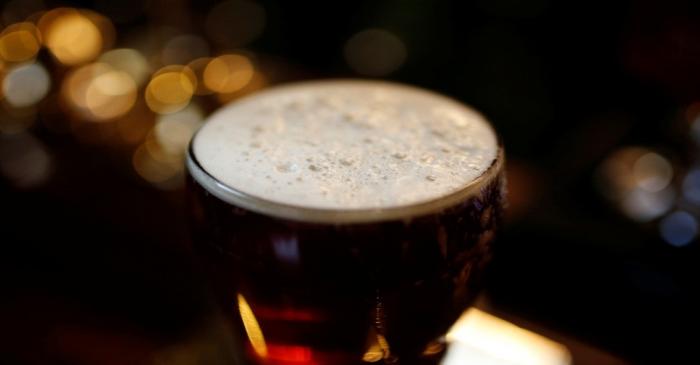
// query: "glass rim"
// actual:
[[304, 214]]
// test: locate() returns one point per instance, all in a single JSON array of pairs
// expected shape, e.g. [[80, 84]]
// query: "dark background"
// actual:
[[566, 84]]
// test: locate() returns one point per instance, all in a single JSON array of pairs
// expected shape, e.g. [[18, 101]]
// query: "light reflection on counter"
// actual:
[[484, 339]]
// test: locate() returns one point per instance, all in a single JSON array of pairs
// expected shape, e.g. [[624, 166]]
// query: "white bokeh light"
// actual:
[[26, 85]]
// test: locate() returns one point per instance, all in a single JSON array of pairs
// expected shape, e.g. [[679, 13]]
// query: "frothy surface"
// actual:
[[346, 145]]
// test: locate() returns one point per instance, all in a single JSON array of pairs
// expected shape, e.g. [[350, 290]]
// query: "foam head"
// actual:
[[345, 145]]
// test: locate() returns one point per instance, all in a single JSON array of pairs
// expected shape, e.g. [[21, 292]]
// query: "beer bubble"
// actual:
[[346, 161], [287, 167]]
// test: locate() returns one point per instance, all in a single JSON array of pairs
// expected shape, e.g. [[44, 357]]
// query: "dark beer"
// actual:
[[378, 281]]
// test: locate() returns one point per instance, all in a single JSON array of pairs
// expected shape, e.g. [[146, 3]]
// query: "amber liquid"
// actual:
[[334, 294]]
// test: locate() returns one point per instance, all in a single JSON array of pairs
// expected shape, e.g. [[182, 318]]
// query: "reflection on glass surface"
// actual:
[[252, 328]]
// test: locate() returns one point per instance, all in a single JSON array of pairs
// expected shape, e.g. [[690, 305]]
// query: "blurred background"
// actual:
[[598, 104]]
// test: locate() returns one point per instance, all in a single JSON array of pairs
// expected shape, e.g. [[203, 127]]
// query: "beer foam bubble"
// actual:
[[346, 145]]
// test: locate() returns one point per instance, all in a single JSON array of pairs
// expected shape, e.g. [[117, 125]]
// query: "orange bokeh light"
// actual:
[[228, 73], [74, 36], [19, 42], [170, 89]]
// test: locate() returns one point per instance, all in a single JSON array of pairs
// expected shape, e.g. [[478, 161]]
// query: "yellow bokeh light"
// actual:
[[71, 36], [228, 73], [252, 328], [128, 60], [153, 170], [98, 92], [158, 153], [76, 83], [174, 131], [19, 42], [198, 66], [170, 89], [111, 95], [160, 158], [257, 82], [2, 76]]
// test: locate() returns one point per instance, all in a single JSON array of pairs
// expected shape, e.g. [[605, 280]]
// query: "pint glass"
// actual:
[[311, 284]]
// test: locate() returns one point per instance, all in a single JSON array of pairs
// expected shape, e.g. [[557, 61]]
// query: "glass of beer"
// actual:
[[344, 222]]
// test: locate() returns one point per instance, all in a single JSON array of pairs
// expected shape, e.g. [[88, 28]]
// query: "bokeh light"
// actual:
[[691, 186], [111, 95], [234, 23], [19, 42], [678, 228], [130, 61], [170, 89], [228, 73], [76, 83], [74, 36], [652, 172], [24, 160], [26, 85], [617, 170], [198, 66], [375, 52], [643, 206], [98, 92], [160, 158], [638, 180], [163, 174], [183, 49], [257, 82], [174, 131], [2, 75]]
